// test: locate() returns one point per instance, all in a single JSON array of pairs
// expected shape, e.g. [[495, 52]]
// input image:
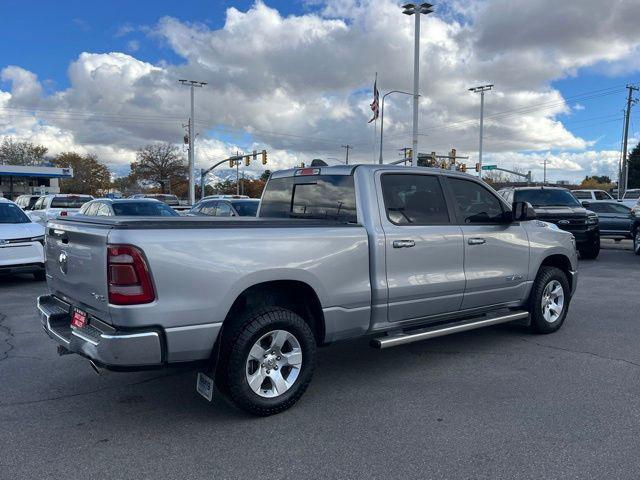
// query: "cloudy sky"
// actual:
[[295, 78]]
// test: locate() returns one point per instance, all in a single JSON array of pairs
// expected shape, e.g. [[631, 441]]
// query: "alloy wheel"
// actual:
[[552, 301], [274, 363]]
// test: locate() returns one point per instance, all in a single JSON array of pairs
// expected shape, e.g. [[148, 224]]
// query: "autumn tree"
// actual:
[[13, 152], [597, 182], [159, 163], [89, 175]]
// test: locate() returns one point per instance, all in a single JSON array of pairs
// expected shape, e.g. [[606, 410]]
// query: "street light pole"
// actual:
[[382, 118], [192, 121], [481, 90], [417, 10]]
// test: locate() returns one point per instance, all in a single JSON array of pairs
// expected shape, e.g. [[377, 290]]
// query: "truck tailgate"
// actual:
[[76, 263]]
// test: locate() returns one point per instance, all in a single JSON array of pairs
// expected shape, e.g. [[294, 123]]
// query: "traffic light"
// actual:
[[463, 167], [264, 157], [247, 160], [230, 163], [477, 167], [409, 153], [302, 165]]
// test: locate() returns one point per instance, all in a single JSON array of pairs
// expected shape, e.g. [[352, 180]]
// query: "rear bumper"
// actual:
[[105, 345]]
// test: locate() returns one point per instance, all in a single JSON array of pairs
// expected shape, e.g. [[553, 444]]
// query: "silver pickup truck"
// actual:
[[397, 254]]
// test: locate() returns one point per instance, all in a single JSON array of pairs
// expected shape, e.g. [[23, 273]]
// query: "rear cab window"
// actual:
[[75, 201], [318, 197], [582, 195]]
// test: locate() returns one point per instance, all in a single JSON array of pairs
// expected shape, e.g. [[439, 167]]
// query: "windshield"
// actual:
[[546, 198], [75, 201], [320, 197], [143, 209], [246, 209], [10, 213]]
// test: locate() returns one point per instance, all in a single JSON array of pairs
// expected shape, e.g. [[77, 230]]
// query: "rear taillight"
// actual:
[[128, 276], [63, 214]]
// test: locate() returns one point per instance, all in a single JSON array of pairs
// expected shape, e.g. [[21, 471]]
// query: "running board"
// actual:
[[439, 331]]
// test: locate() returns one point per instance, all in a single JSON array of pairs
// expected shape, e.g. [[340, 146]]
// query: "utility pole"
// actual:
[[237, 174], [348, 147], [417, 10], [481, 89], [544, 181], [192, 136], [624, 171]]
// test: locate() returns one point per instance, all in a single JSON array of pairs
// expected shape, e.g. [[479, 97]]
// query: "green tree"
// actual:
[[160, 163], [89, 175], [634, 167], [265, 175], [13, 152], [126, 185]]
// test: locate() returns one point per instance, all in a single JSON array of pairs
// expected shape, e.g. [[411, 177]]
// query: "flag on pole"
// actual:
[[375, 105]]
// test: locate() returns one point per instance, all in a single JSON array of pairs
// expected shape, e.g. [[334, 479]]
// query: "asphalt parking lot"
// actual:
[[494, 403]]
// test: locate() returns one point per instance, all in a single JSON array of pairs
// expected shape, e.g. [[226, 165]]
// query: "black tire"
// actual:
[[636, 241], [546, 276], [590, 252], [243, 333], [40, 275]]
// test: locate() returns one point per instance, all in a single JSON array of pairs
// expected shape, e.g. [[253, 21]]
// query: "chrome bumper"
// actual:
[[98, 341]]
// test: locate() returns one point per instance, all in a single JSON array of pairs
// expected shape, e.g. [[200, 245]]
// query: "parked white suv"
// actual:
[[21, 242], [593, 195], [631, 197], [50, 206]]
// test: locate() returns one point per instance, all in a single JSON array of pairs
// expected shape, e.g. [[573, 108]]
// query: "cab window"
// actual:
[[414, 199], [474, 203], [224, 209]]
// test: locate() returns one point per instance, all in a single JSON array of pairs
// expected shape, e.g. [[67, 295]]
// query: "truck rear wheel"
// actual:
[[269, 361], [549, 301]]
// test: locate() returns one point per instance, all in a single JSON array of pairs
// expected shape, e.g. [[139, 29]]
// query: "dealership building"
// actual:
[[18, 180]]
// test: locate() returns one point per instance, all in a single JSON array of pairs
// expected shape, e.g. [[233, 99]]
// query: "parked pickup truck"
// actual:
[[396, 254]]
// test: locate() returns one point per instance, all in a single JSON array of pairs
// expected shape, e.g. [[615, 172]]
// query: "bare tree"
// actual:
[[159, 163]]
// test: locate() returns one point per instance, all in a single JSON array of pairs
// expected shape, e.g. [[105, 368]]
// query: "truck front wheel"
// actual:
[[590, 251], [549, 301], [269, 360]]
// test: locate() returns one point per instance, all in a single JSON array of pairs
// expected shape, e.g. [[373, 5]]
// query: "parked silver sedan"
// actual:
[[127, 207]]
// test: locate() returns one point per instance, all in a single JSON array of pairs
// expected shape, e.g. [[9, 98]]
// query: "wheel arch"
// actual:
[[295, 295], [561, 262]]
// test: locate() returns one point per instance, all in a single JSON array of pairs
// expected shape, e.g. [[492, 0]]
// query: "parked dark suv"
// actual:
[[559, 206]]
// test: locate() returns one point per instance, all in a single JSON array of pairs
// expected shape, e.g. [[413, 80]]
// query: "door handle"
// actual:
[[403, 243], [476, 241]]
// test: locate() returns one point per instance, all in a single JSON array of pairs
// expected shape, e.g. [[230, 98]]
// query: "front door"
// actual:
[[424, 249], [496, 250]]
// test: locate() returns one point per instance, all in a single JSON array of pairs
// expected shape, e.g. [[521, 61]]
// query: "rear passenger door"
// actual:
[[424, 249], [496, 251]]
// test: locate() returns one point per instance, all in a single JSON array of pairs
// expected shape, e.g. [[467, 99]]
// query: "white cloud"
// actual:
[[300, 84]]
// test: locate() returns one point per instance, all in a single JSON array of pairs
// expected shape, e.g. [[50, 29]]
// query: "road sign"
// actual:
[[489, 167]]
